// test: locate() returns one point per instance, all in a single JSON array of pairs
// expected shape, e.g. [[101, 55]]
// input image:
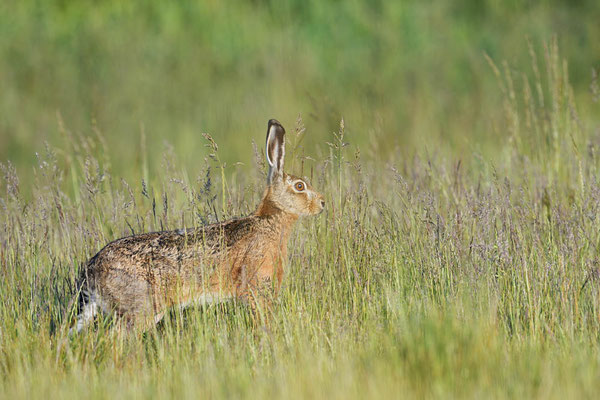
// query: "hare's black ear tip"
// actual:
[[274, 122]]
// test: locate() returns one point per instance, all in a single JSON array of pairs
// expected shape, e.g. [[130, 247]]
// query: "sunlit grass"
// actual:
[[424, 277], [435, 271]]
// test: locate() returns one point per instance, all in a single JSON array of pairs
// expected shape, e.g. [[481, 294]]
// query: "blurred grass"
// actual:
[[458, 254], [407, 75]]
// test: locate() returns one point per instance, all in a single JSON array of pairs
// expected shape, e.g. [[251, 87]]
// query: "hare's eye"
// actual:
[[299, 186]]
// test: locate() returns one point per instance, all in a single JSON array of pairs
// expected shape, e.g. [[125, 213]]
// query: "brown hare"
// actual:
[[140, 277]]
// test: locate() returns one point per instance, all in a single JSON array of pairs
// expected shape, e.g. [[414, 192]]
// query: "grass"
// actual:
[[424, 276], [438, 269]]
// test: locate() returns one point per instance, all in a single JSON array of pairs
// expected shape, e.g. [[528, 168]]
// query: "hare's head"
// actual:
[[286, 192]]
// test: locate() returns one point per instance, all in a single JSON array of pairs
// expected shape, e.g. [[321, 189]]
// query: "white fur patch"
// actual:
[[207, 298], [89, 311]]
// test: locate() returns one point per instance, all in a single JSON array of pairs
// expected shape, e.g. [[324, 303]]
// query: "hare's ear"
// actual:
[[275, 150]]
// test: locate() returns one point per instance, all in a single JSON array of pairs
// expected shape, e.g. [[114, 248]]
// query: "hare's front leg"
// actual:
[[260, 296]]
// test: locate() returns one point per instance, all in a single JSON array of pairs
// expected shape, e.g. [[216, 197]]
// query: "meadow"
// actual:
[[457, 147]]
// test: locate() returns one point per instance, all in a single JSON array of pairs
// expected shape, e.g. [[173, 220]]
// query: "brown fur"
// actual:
[[139, 277]]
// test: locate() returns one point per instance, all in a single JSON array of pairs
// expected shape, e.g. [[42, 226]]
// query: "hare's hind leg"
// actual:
[[86, 316], [140, 323], [88, 309]]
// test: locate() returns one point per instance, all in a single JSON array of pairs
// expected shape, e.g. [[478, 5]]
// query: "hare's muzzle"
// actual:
[[321, 204]]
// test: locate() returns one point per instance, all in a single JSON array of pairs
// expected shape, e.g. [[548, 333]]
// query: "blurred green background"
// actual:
[[404, 74]]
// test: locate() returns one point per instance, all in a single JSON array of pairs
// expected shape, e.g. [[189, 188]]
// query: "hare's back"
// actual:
[[165, 253]]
